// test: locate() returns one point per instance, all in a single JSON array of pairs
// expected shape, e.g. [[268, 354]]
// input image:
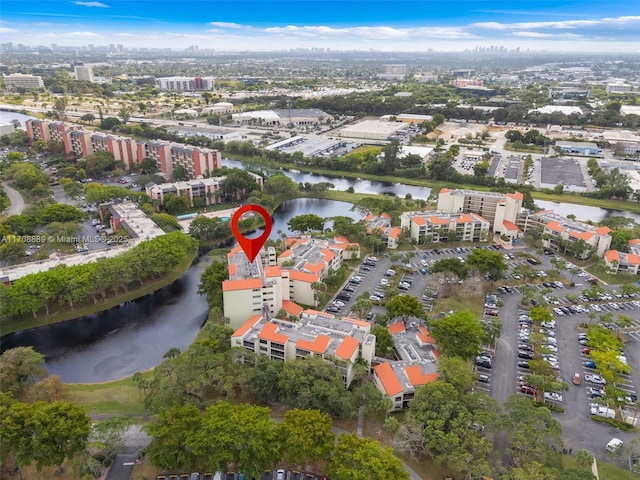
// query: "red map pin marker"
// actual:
[[251, 246]]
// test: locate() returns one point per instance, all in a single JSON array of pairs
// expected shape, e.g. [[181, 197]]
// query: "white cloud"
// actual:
[[230, 25], [563, 24], [544, 35], [81, 34], [7, 30], [92, 4]]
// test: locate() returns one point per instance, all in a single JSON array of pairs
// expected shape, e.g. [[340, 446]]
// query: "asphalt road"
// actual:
[[122, 466], [17, 202]]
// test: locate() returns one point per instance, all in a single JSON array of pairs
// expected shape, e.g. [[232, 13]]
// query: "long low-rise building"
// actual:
[[340, 340], [207, 189], [435, 227], [617, 261], [167, 156]]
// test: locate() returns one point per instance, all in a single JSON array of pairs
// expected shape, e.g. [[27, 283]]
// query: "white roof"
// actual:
[[186, 111], [414, 150], [223, 104], [264, 114], [630, 109], [566, 109]]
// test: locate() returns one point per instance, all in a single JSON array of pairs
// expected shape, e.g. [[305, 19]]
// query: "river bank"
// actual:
[[66, 314], [620, 205]]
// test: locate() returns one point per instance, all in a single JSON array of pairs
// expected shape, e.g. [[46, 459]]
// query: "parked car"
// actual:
[[576, 379], [553, 396], [590, 364], [597, 379]]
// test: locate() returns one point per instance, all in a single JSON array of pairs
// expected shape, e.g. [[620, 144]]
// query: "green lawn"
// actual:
[[120, 397], [610, 278], [606, 471]]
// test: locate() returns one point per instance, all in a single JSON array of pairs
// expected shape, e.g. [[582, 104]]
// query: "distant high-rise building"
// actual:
[[83, 73], [185, 84], [393, 72]]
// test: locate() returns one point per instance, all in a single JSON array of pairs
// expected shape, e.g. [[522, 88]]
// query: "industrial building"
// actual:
[[297, 117], [584, 149], [562, 171], [374, 130]]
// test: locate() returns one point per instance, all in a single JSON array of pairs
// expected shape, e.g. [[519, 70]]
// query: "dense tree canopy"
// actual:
[[458, 334]]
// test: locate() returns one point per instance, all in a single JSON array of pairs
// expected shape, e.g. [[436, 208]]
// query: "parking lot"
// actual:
[[288, 475]]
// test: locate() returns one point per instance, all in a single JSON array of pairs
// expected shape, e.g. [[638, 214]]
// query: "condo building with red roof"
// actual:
[[340, 340]]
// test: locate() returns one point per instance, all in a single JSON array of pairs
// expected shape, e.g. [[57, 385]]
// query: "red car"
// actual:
[[586, 351], [527, 390]]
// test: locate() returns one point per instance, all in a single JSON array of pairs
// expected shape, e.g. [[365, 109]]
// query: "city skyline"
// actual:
[[563, 25]]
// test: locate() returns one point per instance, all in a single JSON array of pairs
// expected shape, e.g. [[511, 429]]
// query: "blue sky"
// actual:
[[411, 25]]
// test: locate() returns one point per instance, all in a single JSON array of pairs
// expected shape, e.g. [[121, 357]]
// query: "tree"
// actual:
[[404, 306], [487, 262], [180, 173], [175, 204], [451, 265], [458, 334], [12, 250], [88, 118], [59, 212], [9, 159], [57, 430], [60, 108], [211, 283], [125, 114], [109, 122], [171, 432], [109, 437], [241, 434], [458, 372], [535, 435], [384, 340], [281, 187], [149, 165], [305, 437], [363, 459], [20, 369], [306, 223]]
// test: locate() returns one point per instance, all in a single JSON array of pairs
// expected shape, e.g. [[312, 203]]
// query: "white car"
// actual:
[[597, 379], [553, 396]]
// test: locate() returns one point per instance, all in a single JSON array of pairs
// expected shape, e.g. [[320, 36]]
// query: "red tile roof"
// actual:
[[286, 253], [347, 348], [291, 308], [319, 345], [612, 256], [303, 276], [369, 217], [388, 379], [233, 251], [397, 327], [424, 337], [246, 326], [444, 190], [603, 230], [385, 215], [395, 232], [341, 239], [314, 267], [233, 268], [438, 220], [417, 378], [270, 332], [328, 254], [581, 235], [510, 226], [233, 285], [464, 218], [555, 226], [419, 220], [633, 259], [516, 196], [633, 241], [272, 271]]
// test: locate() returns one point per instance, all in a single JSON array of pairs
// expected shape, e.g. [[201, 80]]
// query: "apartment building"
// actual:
[[185, 84], [382, 225], [341, 340], [618, 87], [434, 227], [417, 364], [197, 161], [629, 262], [500, 209], [208, 189], [21, 80], [570, 236], [279, 283]]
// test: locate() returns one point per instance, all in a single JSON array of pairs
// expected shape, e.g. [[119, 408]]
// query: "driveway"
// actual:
[[17, 202]]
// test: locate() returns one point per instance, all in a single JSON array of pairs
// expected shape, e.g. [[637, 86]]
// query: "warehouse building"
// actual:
[[374, 130]]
